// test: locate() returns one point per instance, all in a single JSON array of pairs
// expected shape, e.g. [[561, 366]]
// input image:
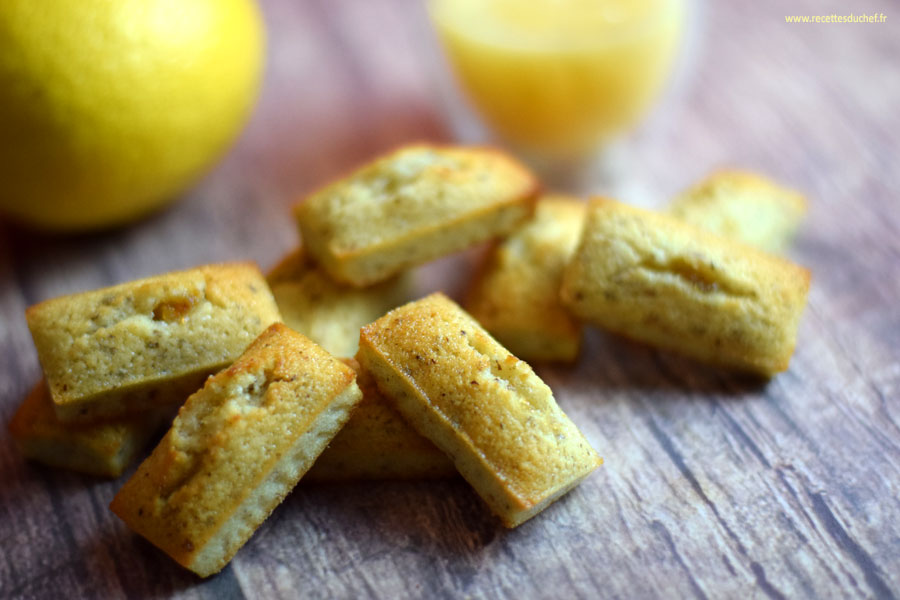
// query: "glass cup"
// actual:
[[557, 80]]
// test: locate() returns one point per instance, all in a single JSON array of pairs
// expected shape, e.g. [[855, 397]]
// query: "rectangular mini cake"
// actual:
[[495, 419], [377, 443], [137, 345], [742, 206], [515, 295], [237, 447], [104, 448], [327, 312], [411, 206], [655, 279]]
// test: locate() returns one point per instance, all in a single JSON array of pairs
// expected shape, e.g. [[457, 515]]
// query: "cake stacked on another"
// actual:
[[486, 409], [436, 393], [237, 447], [147, 343], [118, 360]]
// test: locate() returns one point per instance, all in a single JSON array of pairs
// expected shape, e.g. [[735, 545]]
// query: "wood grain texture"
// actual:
[[714, 485]]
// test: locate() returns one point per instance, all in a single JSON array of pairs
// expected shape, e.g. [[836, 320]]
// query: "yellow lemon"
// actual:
[[109, 108]]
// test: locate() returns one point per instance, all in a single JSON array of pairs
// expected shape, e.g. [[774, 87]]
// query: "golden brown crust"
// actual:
[[411, 206], [482, 406], [377, 443], [103, 449], [658, 280], [742, 206], [515, 295], [330, 313], [150, 342], [237, 447]]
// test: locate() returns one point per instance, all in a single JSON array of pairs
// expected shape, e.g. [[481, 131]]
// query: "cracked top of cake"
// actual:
[[149, 330]]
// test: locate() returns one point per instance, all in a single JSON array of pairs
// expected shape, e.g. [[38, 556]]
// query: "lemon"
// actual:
[[110, 108]]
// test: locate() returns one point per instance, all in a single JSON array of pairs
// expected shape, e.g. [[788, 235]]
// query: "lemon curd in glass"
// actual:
[[558, 78]]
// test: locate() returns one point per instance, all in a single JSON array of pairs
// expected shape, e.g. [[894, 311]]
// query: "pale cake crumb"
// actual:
[[237, 447]]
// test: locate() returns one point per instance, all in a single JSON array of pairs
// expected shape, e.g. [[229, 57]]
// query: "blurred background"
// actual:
[[809, 104]]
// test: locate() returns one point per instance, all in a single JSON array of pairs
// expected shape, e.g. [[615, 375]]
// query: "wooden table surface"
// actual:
[[714, 486]]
